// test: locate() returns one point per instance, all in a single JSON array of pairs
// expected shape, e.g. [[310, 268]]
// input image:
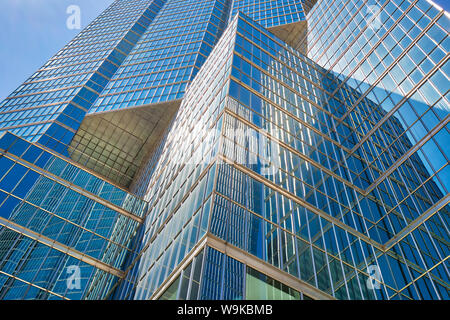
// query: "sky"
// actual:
[[32, 31]]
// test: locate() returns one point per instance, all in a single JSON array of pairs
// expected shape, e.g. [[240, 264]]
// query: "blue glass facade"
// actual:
[[235, 150], [167, 56], [54, 214]]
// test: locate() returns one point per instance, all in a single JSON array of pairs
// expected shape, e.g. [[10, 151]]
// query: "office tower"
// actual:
[[232, 150]]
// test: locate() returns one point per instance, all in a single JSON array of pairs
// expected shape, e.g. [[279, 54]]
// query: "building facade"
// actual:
[[240, 149]]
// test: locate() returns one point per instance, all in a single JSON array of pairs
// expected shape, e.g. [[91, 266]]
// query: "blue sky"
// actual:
[[32, 31]]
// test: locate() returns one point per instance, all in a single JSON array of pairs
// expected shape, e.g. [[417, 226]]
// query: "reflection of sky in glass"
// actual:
[[430, 155]]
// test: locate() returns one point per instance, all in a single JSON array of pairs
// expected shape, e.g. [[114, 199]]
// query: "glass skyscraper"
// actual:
[[233, 149]]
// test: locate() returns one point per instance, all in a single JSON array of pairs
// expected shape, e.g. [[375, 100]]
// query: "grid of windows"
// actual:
[[182, 180], [315, 168], [271, 13], [318, 217], [167, 56], [379, 216], [55, 216]]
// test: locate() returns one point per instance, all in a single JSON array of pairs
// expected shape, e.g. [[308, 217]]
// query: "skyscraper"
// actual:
[[246, 149]]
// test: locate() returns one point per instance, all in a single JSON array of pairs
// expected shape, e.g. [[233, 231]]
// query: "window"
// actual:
[[261, 287]]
